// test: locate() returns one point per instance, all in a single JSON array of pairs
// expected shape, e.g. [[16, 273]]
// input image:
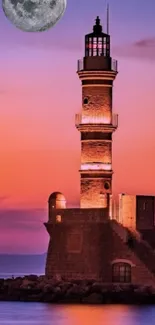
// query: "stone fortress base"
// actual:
[[86, 244]]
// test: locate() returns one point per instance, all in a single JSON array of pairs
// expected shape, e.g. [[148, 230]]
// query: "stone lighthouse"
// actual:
[[77, 236], [85, 242], [96, 123]]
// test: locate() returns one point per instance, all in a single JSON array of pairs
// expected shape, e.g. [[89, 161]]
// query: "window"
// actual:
[[58, 218], [85, 101], [121, 272], [94, 52], [74, 242], [106, 185]]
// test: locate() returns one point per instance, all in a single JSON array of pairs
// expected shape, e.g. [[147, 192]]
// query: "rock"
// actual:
[[96, 287], [73, 294], [93, 298], [46, 288], [34, 288], [78, 282], [48, 297], [57, 278], [25, 286], [53, 282], [57, 290], [42, 278], [104, 288], [53, 296], [149, 290], [117, 288], [152, 290], [15, 284], [32, 277], [65, 286], [26, 283], [74, 290]]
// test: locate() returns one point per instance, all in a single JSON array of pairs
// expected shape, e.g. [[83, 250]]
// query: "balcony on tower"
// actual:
[[96, 166], [96, 121], [98, 65]]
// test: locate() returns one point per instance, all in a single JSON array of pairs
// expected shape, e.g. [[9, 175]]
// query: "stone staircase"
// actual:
[[120, 230], [137, 245]]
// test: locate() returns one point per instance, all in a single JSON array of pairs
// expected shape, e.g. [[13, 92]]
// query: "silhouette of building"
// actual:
[[87, 242]]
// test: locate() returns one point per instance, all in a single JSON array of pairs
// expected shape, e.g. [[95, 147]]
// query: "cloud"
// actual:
[[150, 42], [22, 231], [140, 49], [3, 197], [22, 220], [143, 49]]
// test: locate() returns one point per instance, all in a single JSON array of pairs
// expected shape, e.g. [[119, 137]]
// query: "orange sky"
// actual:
[[40, 147]]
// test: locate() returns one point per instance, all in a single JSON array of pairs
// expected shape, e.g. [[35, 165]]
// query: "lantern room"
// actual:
[[97, 43]]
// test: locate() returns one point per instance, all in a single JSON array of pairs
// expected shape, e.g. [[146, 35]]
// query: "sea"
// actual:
[[22, 313], [31, 313]]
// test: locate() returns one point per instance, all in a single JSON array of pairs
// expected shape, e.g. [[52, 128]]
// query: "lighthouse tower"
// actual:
[[80, 238], [85, 244], [96, 122]]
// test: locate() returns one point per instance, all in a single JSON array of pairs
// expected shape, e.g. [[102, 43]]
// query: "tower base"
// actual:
[[76, 243], [86, 245]]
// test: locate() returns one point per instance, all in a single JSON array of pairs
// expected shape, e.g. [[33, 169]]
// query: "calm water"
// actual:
[[46, 314]]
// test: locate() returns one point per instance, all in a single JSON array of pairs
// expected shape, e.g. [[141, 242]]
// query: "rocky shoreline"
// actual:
[[41, 289]]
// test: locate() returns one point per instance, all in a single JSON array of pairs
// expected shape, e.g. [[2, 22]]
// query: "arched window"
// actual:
[[121, 272]]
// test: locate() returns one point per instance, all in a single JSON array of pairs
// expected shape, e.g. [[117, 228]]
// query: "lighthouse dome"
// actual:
[[57, 200]]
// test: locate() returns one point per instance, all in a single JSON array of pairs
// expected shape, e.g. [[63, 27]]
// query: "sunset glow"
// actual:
[[40, 93]]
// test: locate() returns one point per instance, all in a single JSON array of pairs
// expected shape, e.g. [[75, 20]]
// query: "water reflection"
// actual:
[[13, 313], [107, 315]]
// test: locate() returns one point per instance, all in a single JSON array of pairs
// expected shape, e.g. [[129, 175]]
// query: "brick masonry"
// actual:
[[99, 101], [145, 212], [137, 211], [96, 151], [78, 215], [87, 251], [91, 192], [127, 208]]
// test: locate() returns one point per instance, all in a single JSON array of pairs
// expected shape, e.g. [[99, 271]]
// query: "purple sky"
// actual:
[[39, 96]]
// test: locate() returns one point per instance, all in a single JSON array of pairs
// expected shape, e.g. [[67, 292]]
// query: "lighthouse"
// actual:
[[79, 237], [86, 243], [96, 121]]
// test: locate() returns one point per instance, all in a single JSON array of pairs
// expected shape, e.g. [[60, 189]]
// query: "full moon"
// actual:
[[34, 15]]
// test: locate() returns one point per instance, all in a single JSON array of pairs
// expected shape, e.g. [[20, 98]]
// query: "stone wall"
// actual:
[[99, 101], [78, 215], [92, 192], [96, 151], [140, 271], [127, 210], [85, 262], [87, 251], [137, 211], [145, 212]]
